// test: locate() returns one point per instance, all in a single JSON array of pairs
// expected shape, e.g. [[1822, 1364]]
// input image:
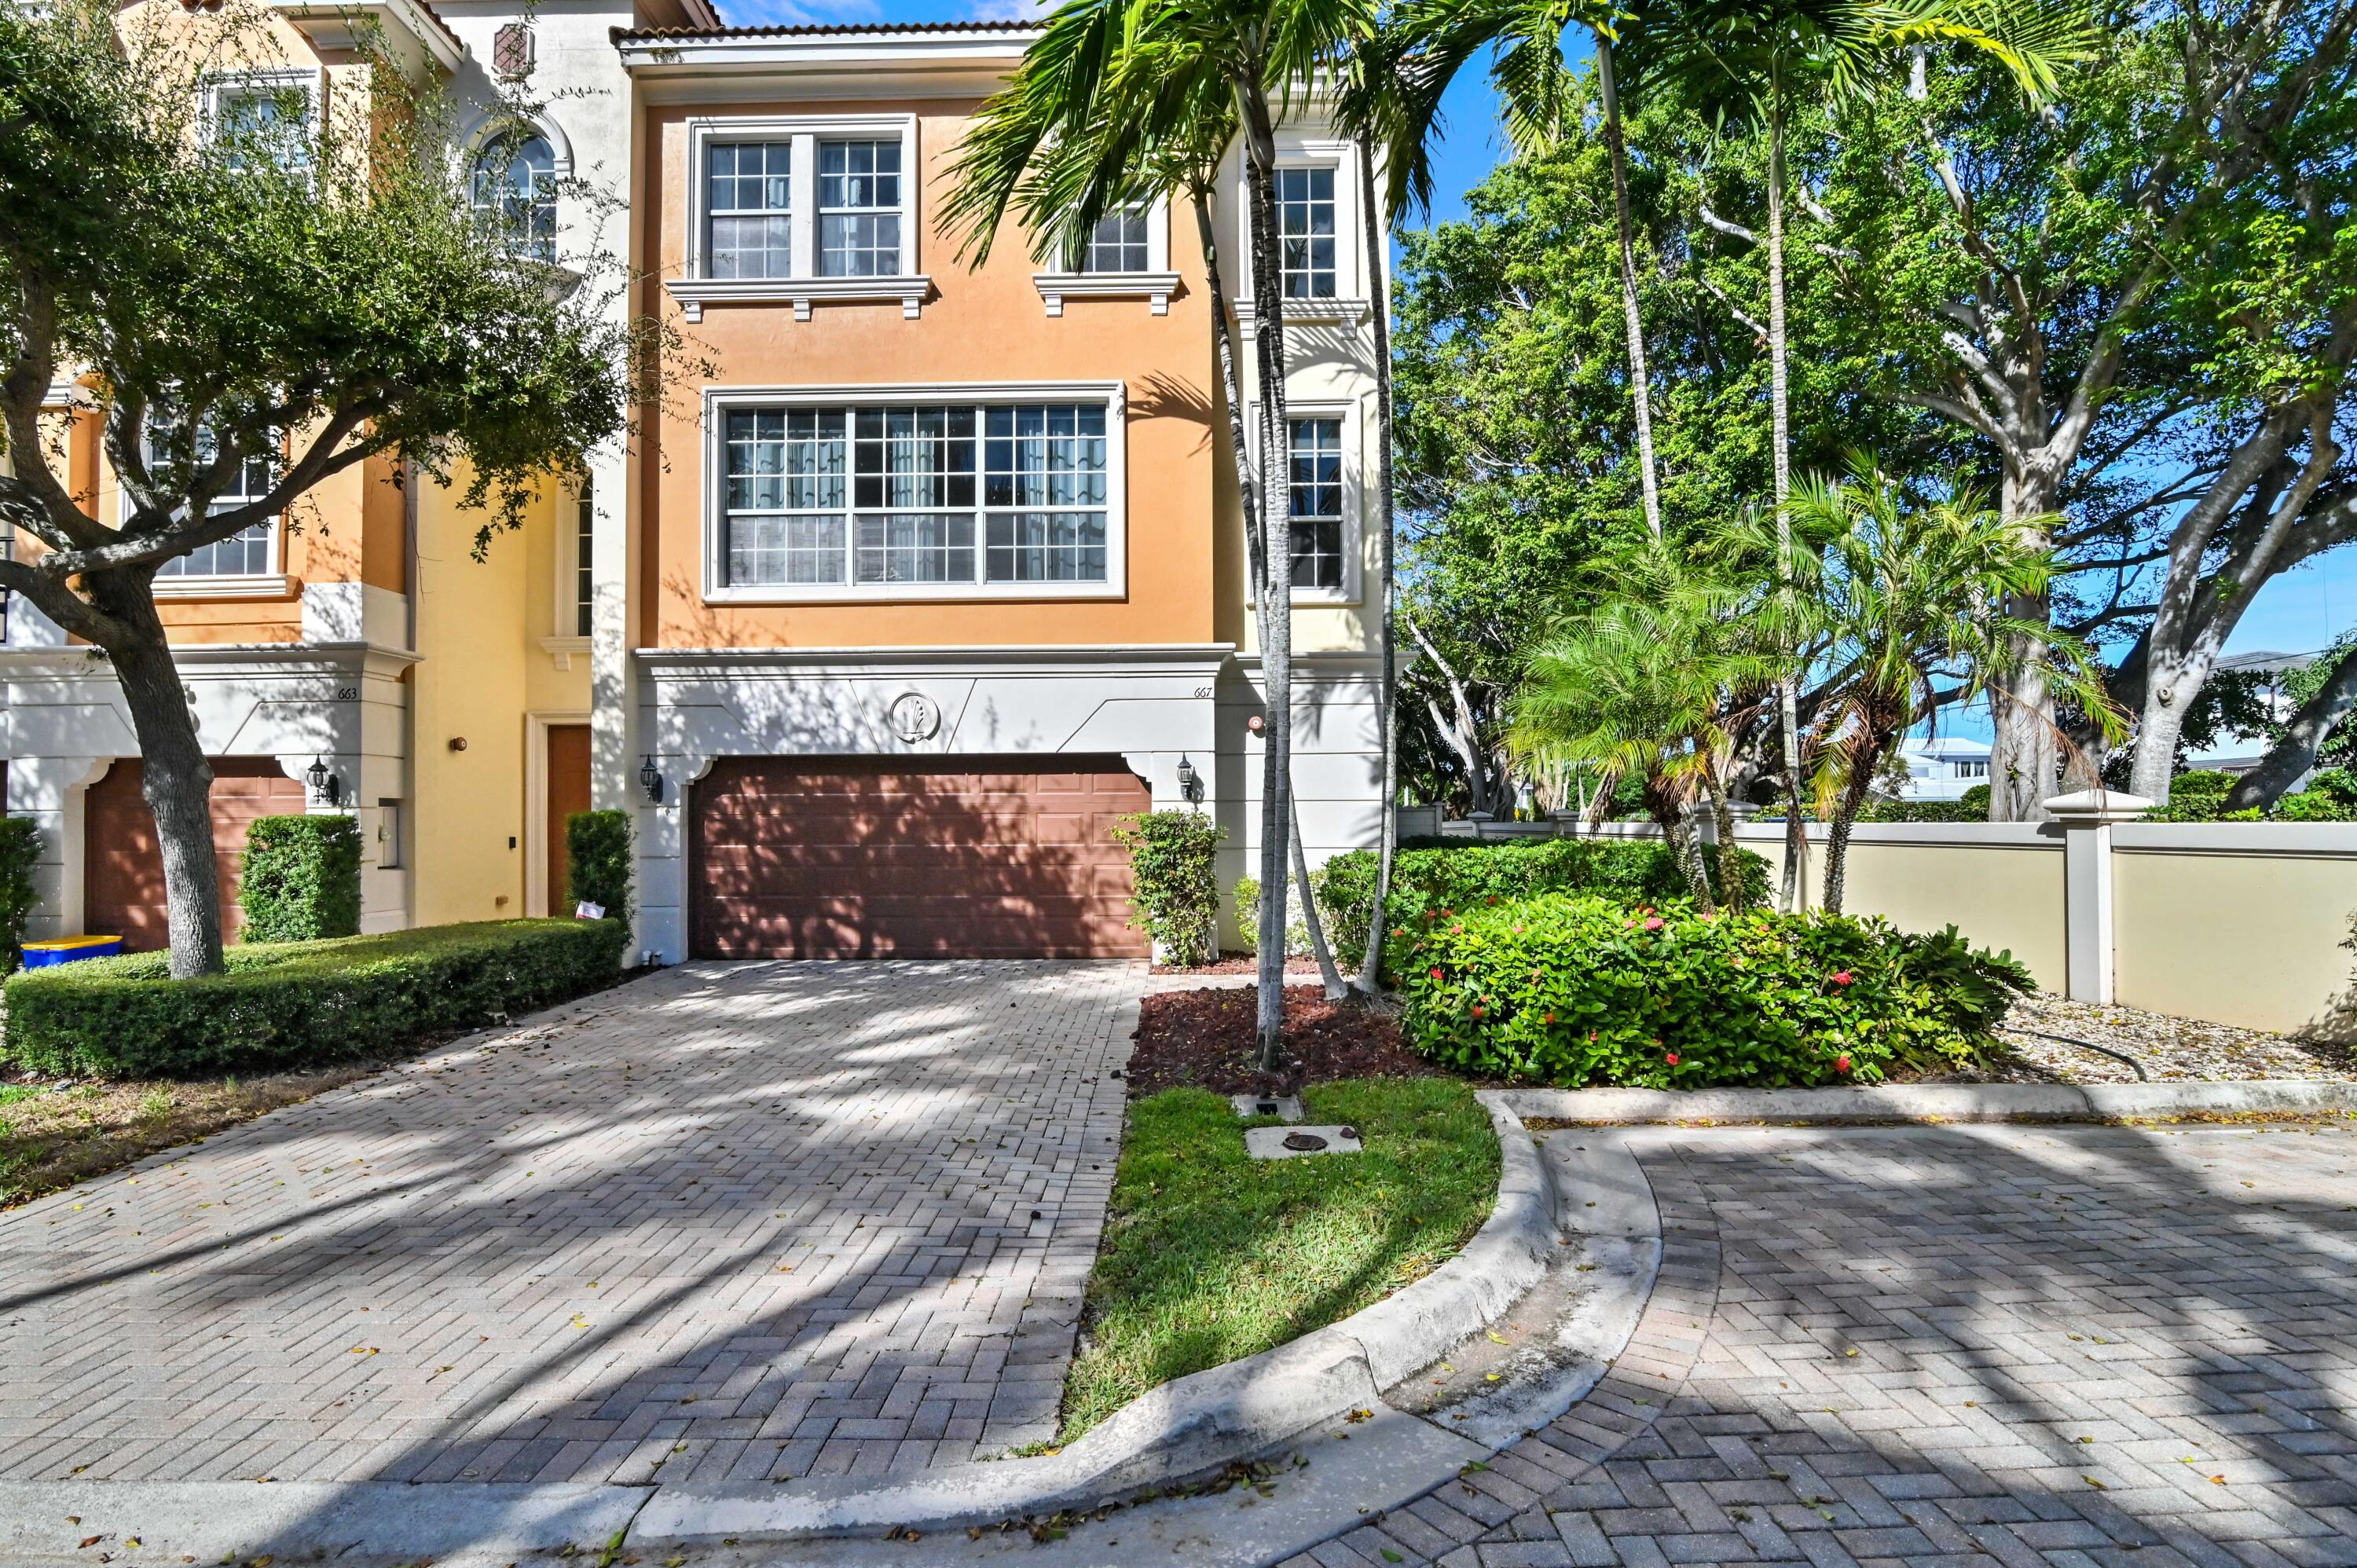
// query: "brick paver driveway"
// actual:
[[750, 1219], [2069, 1346]]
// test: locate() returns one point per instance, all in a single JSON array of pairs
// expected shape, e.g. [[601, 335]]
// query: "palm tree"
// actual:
[[1657, 683], [1437, 37], [1910, 596], [1108, 95], [1736, 60]]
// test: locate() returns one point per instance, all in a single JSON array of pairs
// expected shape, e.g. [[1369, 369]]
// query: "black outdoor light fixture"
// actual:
[[1191, 783], [651, 780], [323, 784]]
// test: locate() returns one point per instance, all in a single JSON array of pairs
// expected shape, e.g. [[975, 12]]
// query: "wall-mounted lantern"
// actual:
[[1191, 783], [325, 786], [651, 779]]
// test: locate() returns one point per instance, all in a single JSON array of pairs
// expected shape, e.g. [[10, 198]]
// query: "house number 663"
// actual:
[[347, 694]]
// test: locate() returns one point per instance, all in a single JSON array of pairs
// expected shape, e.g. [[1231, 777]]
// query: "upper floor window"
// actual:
[[1314, 486], [248, 552], [1305, 228], [514, 192], [264, 117], [749, 208], [584, 584], [858, 208], [936, 494], [1118, 243]]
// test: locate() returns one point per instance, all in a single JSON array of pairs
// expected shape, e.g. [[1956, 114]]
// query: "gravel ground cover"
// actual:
[[2171, 1048]]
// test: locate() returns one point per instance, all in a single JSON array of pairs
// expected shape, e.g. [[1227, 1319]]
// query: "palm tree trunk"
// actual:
[[1853, 798], [1248, 489], [1639, 384], [1794, 893], [1276, 624], [1730, 884], [1386, 693]]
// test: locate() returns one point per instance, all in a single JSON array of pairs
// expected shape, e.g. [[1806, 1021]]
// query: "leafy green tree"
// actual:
[[282, 297], [2315, 733], [2137, 309]]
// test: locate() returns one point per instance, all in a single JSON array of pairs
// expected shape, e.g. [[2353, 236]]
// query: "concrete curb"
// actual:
[[1937, 1103], [1190, 1427]]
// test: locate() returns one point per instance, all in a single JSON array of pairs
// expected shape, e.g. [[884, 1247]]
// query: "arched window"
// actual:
[[515, 192]]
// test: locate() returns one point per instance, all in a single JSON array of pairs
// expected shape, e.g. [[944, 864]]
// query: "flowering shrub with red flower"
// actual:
[[1569, 991]]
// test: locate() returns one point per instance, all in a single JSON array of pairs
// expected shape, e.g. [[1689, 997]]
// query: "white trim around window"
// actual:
[[1351, 412], [1155, 284], [801, 286], [312, 81], [271, 582], [1349, 301], [719, 403]]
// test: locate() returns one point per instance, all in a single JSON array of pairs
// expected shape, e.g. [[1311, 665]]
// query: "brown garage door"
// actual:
[[123, 871], [833, 857]]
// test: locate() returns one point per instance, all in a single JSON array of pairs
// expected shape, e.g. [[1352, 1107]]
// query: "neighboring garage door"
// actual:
[[988, 857], [123, 871]]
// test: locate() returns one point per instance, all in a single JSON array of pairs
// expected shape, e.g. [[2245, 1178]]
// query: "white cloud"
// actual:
[[1007, 10]]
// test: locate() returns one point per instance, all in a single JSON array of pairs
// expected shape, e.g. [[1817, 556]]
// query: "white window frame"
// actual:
[[271, 582], [719, 401], [564, 642], [1353, 414], [1350, 300], [1155, 284], [802, 288], [221, 85]]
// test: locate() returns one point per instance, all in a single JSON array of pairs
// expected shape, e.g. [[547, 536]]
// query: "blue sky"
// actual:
[[2297, 613]]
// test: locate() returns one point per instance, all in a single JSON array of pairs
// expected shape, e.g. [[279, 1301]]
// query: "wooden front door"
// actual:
[[850, 857], [568, 791], [122, 869]]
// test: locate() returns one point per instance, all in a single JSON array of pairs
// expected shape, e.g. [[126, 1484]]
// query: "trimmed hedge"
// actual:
[[302, 879], [1460, 874], [1178, 897], [20, 851], [288, 1004], [597, 846], [1572, 991]]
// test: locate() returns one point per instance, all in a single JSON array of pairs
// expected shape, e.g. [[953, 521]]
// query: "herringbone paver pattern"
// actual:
[[745, 1220], [1937, 1347]]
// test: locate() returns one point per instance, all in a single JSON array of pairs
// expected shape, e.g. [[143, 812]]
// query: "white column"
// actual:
[[2086, 819]]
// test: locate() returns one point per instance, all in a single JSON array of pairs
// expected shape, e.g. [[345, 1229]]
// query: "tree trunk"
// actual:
[[2024, 758], [1276, 624], [2289, 759], [1639, 384], [177, 781], [1312, 919], [1793, 892], [1730, 881], [1853, 798], [1371, 968], [1670, 812]]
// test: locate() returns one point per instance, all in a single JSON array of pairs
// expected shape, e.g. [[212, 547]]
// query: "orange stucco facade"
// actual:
[[980, 324]]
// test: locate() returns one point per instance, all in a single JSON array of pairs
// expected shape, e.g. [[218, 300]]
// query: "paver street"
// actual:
[[2067, 1346], [751, 1220]]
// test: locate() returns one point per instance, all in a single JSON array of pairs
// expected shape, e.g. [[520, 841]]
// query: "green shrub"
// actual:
[[1572, 991], [1460, 874], [1297, 927], [2201, 797], [20, 851], [285, 1004], [597, 844], [302, 879], [1178, 895], [1975, 802]]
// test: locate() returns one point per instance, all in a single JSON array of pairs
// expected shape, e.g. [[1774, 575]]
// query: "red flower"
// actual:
[[1652, 922], [1550, 1017], [1842, 977], [1435, 974], [1456, 928], [1841, 1064], [1671, 1057], [1399, 930], [1480, 1011], [1591, 1036]]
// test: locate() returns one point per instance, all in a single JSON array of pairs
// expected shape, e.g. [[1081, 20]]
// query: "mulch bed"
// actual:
[[1204, 1039], [1240, 964]]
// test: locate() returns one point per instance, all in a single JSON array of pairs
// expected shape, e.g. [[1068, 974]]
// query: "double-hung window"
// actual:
[[1314, 496], [749, 195], [1305, 228], [929, 495], [245, 553], [858, 208], [1118, 243]]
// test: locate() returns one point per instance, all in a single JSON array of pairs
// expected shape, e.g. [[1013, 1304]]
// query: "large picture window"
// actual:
[[933, 494]]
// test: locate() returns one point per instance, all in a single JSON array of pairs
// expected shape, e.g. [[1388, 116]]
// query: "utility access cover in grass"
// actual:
[[1210, 1256]]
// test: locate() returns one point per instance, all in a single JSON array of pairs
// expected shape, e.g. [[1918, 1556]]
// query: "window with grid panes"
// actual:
[[245, 553], [859, 208], [746, 202], [1315, 487], [1117, 244], [1305, 228]]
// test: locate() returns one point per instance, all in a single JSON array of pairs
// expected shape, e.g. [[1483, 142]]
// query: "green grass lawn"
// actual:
[[1210, 1256]]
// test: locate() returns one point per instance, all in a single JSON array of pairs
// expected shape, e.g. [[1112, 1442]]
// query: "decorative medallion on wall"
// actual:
[[915, 718], [511, 51]]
